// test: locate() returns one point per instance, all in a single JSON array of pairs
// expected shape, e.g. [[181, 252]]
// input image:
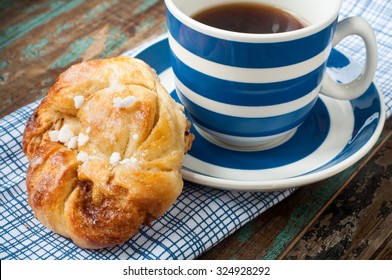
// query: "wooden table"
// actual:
[[348, 216]]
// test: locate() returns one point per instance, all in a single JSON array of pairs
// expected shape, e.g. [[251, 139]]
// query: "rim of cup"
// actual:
[[252, 37]]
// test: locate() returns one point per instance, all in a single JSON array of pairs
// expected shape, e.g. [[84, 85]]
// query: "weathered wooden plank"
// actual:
[[270, 234], [356, 225], [51, 10], [52, 35]]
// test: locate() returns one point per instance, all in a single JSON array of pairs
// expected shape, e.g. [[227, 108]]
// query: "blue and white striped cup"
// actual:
[[251, 91]]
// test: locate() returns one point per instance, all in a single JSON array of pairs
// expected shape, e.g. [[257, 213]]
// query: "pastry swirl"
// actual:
[[105, 150]]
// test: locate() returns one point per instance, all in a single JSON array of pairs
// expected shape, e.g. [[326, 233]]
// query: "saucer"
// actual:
[[334, 136]]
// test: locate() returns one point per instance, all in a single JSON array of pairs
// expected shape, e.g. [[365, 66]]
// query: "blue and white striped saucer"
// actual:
[[335, 136]]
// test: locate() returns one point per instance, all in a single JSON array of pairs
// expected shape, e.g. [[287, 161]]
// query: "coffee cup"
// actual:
[[251, 91]]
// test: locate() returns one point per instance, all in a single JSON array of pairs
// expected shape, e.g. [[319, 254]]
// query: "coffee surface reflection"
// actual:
[[250, 18]]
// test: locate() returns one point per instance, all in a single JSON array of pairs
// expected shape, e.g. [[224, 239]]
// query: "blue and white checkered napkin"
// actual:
[[379, 15], [201, 216]]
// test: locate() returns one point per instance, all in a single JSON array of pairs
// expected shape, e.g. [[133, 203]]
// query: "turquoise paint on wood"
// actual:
[[164, 26], [47, 81], [62, 28], [245, 232], [4, 64], [144, 6], [37, 6], [3, 75], [113, 41], [12, 33], [97, 10], [92, 13], [304, 213], [77, 49], [37, 49], [145, 25]]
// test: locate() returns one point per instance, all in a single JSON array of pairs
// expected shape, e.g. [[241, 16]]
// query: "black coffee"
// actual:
[[250, 18]]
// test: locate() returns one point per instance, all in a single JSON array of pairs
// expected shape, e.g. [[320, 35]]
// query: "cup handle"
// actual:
[[354, 89]]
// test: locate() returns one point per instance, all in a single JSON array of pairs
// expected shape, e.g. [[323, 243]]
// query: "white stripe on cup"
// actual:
[[244, 144], [339, 134], [245, 111], [247, 75]]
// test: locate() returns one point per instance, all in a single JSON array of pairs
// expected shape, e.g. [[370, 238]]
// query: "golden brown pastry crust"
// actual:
[[105, 150]]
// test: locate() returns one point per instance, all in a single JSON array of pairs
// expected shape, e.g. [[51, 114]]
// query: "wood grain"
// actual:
[[40, 39], [356, 224], [348, 216], [283, 231]]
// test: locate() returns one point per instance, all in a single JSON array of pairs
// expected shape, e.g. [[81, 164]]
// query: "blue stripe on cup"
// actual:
[[245, 127], [248, 75], [238, 93], [317, 125], [269, 55], [256, 110]]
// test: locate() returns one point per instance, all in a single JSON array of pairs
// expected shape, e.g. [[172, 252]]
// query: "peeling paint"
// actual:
[[4, 64], [245, 232], [304, 213], [35, 50], [99, 45], [77, 49], [145, 25], [114, 40], [93, 12], [164, 26], [144, 6], [36, 7], [62, 28], [13, 33], [4, 76], [47, 81]]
